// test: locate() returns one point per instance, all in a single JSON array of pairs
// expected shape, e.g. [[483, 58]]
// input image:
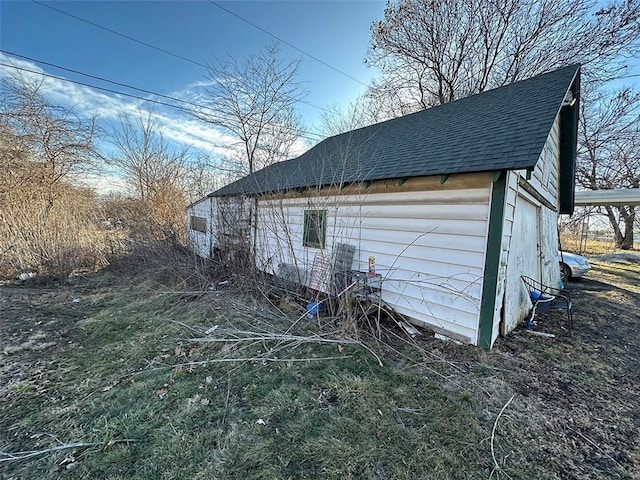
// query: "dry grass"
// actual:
[[576, 244]]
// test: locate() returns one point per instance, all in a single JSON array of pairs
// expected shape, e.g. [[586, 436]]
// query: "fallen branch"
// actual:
[[240, 360], [189, 327], [248, 336], [493, 432]]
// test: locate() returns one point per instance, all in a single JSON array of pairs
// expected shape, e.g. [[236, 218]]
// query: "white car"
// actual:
[[572, 265]]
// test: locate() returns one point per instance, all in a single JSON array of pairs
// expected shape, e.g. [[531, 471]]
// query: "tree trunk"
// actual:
[[629, 219], [624, 240]]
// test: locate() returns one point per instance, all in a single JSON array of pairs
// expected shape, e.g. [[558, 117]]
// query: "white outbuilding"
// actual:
[[448, 207]]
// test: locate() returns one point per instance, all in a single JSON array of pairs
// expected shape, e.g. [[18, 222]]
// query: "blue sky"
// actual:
[[336, 32]]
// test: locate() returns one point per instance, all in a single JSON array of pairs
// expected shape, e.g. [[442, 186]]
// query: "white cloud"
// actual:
[[195, 133], [104, 184], [88, 101]]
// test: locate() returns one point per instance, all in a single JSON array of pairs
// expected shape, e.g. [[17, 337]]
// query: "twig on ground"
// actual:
[[242, 360], [257, 359], [274, 336], [370, 350], [597, 446], [271, 303], [189, 327], [226, 400], [13, 457], [185, 292], [248, 336], [493, 433]]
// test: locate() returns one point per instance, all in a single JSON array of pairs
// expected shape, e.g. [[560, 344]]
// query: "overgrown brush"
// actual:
[[52, 233]]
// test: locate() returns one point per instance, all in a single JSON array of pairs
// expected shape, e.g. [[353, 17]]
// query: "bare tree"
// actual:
[[609, 155], [46, 142], [155, 171], [363, 111], [254, 101], [202, 176], [435, 52]]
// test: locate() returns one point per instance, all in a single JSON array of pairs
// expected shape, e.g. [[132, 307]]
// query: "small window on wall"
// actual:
[[315, 228], [199, 224]]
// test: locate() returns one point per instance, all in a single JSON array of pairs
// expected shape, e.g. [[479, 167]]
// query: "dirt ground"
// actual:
[[576, 412], [587, 386]]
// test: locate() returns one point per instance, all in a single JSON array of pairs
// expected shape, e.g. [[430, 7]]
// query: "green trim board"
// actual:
[[569, 148], [492, 260]]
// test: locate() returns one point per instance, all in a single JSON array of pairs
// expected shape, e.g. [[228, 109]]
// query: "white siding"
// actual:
[[428, 245], [546, 175], [200, 242]]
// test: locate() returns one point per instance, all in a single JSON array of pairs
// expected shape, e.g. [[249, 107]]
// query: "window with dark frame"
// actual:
[[315, 228], [199, 224]]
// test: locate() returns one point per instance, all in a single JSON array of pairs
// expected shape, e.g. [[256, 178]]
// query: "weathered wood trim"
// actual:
[[527, 187], [416, 184]]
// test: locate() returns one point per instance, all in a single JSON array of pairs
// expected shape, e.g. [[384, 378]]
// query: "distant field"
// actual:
[[589, 246], [116, 378]]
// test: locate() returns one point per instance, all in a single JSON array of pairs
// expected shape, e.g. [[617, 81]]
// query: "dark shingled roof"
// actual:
[[501, 129]]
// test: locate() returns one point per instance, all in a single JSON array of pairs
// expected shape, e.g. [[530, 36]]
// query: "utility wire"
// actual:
[[43, 74], [341, 72], [102, 79], [176, 55], [157, 102], [113, 82]]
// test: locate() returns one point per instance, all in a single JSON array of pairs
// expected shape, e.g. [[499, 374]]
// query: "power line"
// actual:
[[341, 72], [176, 55], [102, 79], [162, 50], [157, 102], [43, 74]]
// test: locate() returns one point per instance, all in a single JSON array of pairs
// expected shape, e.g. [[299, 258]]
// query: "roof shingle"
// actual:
[[504, 128]]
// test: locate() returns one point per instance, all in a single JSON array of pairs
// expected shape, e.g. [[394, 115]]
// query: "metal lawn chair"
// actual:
[[545, 298]]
